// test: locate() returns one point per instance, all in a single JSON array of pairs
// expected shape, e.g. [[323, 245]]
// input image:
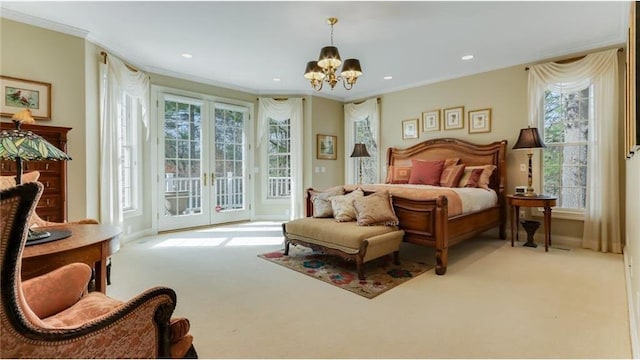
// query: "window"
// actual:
[[363, 134], [279, 159], [129, 169], [565, 132]]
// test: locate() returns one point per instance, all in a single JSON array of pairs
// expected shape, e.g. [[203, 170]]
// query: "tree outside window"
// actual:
[[565, 132]]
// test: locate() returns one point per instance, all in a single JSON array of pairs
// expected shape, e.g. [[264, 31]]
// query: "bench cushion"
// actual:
[[328, 232]]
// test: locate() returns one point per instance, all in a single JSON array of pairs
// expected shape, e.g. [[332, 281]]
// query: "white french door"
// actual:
[[202, 153]]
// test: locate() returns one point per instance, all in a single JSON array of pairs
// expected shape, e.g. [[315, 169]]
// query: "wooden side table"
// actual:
[[543, 201], [91, 244]]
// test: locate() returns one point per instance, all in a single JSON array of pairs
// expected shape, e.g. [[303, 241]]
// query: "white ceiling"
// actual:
[[244, 45]]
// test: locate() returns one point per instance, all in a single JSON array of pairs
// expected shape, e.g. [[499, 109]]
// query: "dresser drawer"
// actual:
[[43, 166], [49, 201], [50, 215], [51, 184]]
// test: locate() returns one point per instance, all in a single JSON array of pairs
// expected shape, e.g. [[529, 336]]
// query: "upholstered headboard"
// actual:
[[469, 153]]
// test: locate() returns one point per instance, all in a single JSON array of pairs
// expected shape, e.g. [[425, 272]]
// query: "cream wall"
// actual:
[[328, 119], [34, 53]]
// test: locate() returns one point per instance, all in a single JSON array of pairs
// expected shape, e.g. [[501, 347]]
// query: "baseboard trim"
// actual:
[[137, 235], [270, 218], [633, 330], [556, 240]]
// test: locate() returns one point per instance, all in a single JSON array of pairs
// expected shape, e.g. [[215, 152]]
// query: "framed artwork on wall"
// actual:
[[410, 129], [479, 121], [431, 120], [454, 118], [327, 147], [17, 94]]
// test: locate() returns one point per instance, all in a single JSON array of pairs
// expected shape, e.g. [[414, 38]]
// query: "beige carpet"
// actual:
[[494, 302]]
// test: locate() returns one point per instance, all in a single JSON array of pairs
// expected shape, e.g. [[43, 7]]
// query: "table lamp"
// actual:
[[23, 145], [529, 139], [360, 151]]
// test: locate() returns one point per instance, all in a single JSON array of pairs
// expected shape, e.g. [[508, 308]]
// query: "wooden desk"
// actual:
[[91, 244], [543, 201]]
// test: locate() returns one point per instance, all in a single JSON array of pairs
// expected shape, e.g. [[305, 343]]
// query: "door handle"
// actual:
[[213, 177], [205, 179]]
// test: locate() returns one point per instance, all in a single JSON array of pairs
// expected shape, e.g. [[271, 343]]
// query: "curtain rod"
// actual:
[[378, 99], [104, 60], [570, 60]]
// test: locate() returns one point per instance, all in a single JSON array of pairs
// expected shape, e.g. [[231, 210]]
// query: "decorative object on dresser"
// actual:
[[454, 118], [529, 139], [18, 94], [431, 120], [479, 121], [410, 129], [360, 151], [53, 174]]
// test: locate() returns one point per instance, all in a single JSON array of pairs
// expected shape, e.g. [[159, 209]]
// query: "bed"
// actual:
[[426, 221]]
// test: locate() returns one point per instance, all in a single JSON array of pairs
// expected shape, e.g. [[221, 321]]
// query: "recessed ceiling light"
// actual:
[[467, 57], [388, 77], [187, 56], [276, 79]]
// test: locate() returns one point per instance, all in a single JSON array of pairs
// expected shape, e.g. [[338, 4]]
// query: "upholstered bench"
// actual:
[[346, 239]]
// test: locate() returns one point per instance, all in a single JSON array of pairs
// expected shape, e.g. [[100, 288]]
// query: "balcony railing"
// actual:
[[279, 187], [183, 195]]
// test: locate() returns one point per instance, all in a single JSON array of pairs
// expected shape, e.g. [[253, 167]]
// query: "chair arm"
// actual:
[[57, 290], [137, 329]]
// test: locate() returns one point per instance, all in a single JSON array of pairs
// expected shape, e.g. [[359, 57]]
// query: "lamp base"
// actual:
[[530, 192]]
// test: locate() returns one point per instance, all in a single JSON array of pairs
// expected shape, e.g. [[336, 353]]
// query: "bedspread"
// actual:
[[459, 200]]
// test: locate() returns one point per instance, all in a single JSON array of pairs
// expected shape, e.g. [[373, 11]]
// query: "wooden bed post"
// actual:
[[441, 235]]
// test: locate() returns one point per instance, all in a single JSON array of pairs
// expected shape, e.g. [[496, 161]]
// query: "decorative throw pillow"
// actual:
[[451, 175], [426, 172], [321, 203], [477, 176], [375, 209], [343, 210], [398, 174], [451, 162]]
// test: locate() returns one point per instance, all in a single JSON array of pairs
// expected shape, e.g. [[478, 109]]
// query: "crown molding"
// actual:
[[39, 22]]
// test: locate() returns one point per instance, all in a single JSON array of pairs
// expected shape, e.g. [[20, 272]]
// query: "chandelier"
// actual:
[[325, 68]]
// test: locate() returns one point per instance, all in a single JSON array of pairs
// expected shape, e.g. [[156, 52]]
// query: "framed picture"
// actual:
[[410, 129], [18, 94], [327, 147], [431, 120], [479, 121], [454, 118]]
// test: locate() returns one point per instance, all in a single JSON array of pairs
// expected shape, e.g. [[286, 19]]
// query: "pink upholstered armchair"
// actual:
[[53, 316]]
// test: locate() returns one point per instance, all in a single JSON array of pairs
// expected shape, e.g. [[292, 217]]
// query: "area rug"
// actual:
[[381, 273]]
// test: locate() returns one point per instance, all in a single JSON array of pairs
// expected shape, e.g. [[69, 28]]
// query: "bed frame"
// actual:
[[426, 222]]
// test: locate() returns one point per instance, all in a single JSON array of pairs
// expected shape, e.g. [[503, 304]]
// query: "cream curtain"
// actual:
[[600, 70], [282, 110], [358, 112], [116, 80]]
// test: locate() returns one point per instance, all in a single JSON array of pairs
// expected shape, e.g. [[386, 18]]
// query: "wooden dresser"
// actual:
[[53, 174]]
